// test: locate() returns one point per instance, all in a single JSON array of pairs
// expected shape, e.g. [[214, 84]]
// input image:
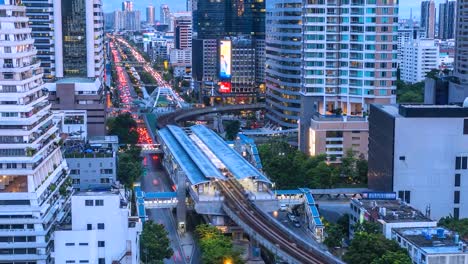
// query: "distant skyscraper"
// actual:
[[428, 17], [150, 14], [183, 31], [41, 19], [418, 57], [461, 44], [447, 19], [349, 61], [127, 20], [283, 61], [33, 186], [164, 14], [127, 6]]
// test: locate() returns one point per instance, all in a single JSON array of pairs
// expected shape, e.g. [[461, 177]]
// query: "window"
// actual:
[[402, 158], [100, 226], [101, 243], [88, 202], [69, 244], [84, 261], [101, 261], [83, 244], [456, 213], [457, 180], [90, 226], [456, 197], [70, 261], [464, 163], [99, 202], [465, 126], [405, 196], [457, 163]]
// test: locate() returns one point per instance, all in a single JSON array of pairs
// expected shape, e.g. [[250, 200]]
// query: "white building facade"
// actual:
[[418, 57], [108, 233], [33, 187]]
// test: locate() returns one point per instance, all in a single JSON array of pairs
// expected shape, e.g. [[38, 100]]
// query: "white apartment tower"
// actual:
[[33, 185], [418, 57], [349, 58]]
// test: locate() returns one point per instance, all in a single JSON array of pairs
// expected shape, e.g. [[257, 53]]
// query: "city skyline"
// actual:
[[179, 5]]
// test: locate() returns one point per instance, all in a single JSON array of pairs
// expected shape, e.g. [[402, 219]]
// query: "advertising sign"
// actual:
[[225, 59], [379, 196], [224, 87]]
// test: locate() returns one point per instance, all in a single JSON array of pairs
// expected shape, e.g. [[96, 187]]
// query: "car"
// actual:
[[283, 207], [291, 217], [296, 223], [155, 182]]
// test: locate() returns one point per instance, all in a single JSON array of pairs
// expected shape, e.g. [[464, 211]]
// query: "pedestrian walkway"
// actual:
[[187, 244]]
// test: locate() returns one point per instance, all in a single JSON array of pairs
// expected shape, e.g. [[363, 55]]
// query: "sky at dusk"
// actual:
[[179, 5]]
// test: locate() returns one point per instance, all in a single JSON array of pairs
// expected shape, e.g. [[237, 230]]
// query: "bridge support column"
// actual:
[[181, 210], [254, 250]]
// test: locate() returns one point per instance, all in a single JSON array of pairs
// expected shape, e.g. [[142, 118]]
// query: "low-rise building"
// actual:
[[102, 231], [389, 214], [432, 245], [93, 165]]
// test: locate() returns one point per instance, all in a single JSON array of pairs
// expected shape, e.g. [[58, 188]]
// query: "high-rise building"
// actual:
[[150, 12], [283, 61], [428, 17], [446, 19], [127, 20], [127, 6], [41, 20], [418, 58], [231, 21], [183, 31], [408, 31], [34, 191], [109, 21], [461, 43], [419, 152], [164, 14], [349, 61]]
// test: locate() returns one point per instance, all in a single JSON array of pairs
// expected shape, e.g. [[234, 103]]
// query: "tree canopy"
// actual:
[[458, 225], [289, 168], [232, 128], [374, 248], [215, 247], [410, 93], [123, 126], [154, 243], [129, 166]]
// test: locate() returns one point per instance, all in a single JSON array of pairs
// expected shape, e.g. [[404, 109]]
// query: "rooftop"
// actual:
[[424, 111], [435, 240], [391, 211], [76, 80]]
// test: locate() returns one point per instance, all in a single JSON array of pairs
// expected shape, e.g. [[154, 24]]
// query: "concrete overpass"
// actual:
[[187, 114]]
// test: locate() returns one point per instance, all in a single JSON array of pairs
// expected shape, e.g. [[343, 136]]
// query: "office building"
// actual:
[[127, 20], [41, 20], [446, 19], [419, 152], [81, 94], [183, 30], [461, 42], [435, 245], [93, 162], [388, 213], [418, 57], [150, 12], [164, 14], [34, 193], [107, 234], [428, 18], [283, 62], [109, 21], [232, 24], [349, 61], [127, 6]]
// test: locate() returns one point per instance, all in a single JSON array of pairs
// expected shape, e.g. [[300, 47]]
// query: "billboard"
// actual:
[[225, 59], [379, 195], [224, 87]]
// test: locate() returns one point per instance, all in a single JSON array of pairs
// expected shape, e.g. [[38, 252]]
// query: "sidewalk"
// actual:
[[187, 244]]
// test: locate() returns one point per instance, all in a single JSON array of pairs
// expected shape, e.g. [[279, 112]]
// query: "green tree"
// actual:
[[348, 165], [123, 126], [366, 248], [410, 93], [232, 128], [398, 257], [335, 236], [361, 169], [458, 225], [215, 247], [129, 169], [154, 243], [367, 227]]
